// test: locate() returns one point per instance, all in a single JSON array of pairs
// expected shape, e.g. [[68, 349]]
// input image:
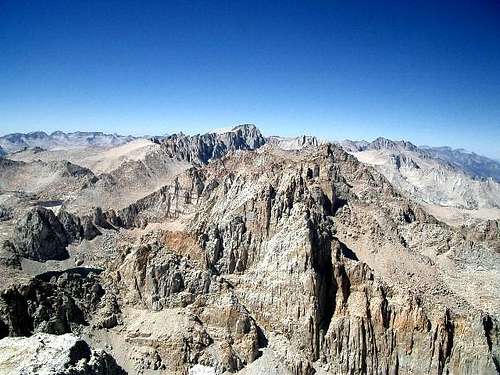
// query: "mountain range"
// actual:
[[231, 252], [58, 139]]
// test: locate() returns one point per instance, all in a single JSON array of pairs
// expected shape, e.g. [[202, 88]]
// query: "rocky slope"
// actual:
[[429, 177], [108, 178], [53, 180], [297, 223], [96, 158], [257, 257]]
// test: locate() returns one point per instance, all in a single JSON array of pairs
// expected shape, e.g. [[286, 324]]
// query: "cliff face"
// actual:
[[275, 233], [199, 149]]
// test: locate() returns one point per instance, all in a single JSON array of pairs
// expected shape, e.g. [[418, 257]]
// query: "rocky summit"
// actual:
[[231, 252]]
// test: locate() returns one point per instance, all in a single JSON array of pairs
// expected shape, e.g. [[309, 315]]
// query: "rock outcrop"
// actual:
[[40, 236], [55, 302], [49, 354], [219, 331]]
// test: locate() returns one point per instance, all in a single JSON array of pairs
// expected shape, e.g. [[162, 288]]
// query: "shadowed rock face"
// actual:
[[53, 303], [9, 256], [5, 214], [40, 236]]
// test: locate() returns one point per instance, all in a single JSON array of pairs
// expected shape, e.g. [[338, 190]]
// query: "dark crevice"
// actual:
[[78, 352], [262, 339], [346, 251], [338, 203], [488, 328]]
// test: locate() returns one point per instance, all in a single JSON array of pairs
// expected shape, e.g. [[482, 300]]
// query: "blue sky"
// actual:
[[426, 71]]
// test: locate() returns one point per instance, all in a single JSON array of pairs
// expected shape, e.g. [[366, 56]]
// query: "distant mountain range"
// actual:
[[434, 175], [472, 164], [58, 139], [476, 165]]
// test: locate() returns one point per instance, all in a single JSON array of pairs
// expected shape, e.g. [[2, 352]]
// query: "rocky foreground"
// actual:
[[254, 258]]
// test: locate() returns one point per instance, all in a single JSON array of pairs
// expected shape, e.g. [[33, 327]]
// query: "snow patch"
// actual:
[[201, 370]]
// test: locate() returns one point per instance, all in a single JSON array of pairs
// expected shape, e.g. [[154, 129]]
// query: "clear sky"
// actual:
[[426, 71]]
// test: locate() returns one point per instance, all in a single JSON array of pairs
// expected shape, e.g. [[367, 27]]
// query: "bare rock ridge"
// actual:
[[290, 256], [472, 164], [293, 143], [377, 144], [475, 165], [202, 148]]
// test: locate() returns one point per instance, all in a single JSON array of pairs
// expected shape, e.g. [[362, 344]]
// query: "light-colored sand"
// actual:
[[111, 159], [458, 216], [98, 159]]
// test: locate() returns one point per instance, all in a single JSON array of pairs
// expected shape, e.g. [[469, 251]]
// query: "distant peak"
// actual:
[[37, 134], [201, 148], [245, 127], [384, 143]]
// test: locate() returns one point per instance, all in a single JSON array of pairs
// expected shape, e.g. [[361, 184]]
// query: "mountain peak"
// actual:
[[201, 148], [384, 143], [245, 127]]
